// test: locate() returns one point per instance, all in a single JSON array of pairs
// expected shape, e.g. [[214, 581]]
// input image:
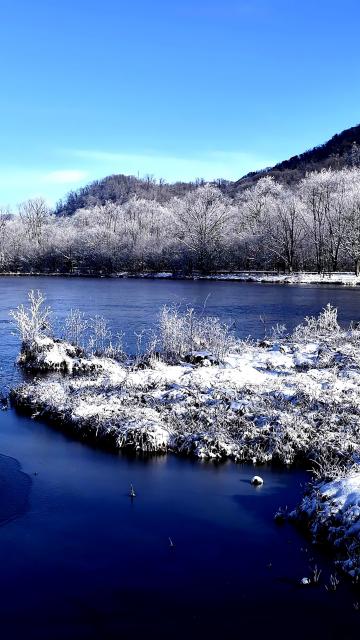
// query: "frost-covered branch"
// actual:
[[33, 321]]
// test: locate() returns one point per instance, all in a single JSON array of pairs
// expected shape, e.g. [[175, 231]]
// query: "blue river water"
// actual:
[[80, 560]]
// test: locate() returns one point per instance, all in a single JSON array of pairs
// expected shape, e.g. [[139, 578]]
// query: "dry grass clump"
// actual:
[[181, 334]]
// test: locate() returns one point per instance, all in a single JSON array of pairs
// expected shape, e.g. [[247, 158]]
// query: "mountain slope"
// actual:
[[343, 149]]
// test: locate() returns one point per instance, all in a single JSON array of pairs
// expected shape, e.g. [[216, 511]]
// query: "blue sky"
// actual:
[[176, 88]]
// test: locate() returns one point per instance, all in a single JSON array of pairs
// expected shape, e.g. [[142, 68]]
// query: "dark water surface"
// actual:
[[133, 304], [79, 560]]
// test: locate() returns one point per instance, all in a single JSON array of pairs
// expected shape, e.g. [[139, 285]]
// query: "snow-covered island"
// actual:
[[196, 390]]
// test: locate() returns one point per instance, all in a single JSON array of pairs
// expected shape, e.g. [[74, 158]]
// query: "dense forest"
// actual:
[[123, 223]]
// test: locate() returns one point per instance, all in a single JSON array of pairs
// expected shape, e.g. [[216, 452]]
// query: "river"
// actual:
[[80, 560]]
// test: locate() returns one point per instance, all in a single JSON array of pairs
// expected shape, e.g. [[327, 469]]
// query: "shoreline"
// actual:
[[344, 278]]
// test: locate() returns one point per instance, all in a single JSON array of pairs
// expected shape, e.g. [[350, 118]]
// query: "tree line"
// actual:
[[312, 225]]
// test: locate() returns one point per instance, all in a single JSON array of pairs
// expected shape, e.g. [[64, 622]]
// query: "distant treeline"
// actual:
[[313, 224]]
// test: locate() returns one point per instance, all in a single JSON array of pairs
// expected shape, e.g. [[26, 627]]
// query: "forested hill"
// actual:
[[342, 150], [120, 188]]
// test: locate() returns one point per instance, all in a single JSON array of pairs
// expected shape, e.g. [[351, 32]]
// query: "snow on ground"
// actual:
[[342, 278], [346, 278], [46, 354], [302, 277], [283, 401]]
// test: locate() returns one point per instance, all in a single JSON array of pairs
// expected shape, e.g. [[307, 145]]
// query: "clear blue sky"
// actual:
[[176, 88]]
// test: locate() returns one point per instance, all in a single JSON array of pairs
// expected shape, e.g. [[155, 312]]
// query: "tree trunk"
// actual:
[[357, 267]]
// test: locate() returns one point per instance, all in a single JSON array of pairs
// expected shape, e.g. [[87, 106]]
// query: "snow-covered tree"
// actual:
[[283, 228], [200, 220]]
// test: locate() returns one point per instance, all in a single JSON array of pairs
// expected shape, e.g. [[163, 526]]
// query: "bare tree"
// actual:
[[34, 214], [351, 216], [283, 228], [314, 190], [200, 219]]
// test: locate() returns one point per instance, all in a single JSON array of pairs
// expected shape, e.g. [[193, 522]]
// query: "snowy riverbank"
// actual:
[[331, 512], [340, 278]]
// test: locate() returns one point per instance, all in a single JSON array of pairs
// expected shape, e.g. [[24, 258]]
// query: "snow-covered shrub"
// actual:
[[331, 512], [332, 464], [185, 333], [215, 336], [150, 351], [175, 331], [324, 326], [75, 325], [116, 348], [100, 342], [278, 331], [33, 321], [100, 335]]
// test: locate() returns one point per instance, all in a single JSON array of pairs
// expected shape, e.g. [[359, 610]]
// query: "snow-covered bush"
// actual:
[[100, 335], [33, 321], [116, 348], [331, 512], [331, 464], [185, 333], [278, 332], [75, 326], [324, 326]]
